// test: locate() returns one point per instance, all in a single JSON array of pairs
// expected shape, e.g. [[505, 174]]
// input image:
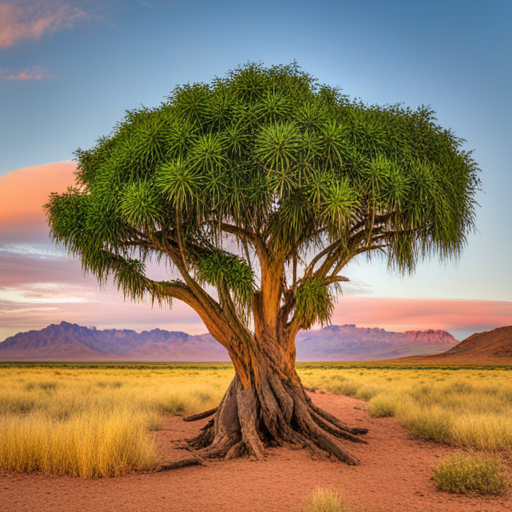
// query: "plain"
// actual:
[[96, 420]]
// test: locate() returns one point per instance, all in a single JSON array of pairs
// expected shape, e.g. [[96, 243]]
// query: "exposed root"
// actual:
[[335, 421], [237, 450], [315, 434], [277, 412], [248, 421], [201, 415], [194, 461], [334, 430]]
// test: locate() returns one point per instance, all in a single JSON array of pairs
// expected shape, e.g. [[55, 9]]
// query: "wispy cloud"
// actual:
[[31, 20], [26, 74], [32, 250], [26, 310], [43, 293]]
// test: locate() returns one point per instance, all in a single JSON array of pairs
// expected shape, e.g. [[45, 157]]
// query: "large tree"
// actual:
[[256, 190]]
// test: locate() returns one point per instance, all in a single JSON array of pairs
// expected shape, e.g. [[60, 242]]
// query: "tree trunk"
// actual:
[[266, 405]]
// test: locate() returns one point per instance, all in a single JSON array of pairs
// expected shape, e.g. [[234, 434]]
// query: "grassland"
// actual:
[[465, 407], [95, 420]]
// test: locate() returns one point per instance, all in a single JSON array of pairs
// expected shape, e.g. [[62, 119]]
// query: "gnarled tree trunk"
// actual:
[[266, 405]]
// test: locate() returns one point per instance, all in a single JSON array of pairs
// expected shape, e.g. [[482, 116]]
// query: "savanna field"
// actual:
[[94, 421]]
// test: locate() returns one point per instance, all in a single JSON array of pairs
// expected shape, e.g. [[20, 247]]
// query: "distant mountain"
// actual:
[[351, 343], [71, 342]]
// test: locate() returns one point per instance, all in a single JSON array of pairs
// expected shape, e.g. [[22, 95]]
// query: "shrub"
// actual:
[[325, 500], [471, 474], [383, 405]]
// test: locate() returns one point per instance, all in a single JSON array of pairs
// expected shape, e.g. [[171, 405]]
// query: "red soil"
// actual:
[[394, 475]]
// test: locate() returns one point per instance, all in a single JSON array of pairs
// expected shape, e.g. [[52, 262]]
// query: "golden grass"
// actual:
[[466, 408], [471, 474], [89, 445], [95, 422], [325, 500]]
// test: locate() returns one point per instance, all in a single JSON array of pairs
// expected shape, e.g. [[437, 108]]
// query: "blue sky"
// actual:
[[70, 69]]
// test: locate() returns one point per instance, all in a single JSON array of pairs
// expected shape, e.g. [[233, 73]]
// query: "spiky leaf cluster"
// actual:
[[267, 154]]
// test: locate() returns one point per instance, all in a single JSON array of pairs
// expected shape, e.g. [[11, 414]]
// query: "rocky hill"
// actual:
[[489, 346], [71, 342]]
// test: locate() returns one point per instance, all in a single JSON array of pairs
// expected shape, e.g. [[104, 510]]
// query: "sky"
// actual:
[[70, 69]]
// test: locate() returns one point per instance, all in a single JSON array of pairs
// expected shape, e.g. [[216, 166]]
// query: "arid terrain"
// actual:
[[394, 475]]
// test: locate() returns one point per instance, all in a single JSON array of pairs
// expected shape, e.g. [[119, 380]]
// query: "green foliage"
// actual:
[[140, 205], [471, 474], [179, 182], [225, 270], [278, 158], [315, 303]]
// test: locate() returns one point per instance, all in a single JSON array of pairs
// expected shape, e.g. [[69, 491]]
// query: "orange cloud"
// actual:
[[32, 20], [24, 192], [31, 73]]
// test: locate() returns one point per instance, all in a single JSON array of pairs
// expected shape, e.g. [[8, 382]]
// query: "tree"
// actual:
[[257, 189]]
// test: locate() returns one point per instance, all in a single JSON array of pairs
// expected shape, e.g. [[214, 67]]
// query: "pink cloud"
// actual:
[[31, 20], [400, 314], [24, 192], [26, 74]]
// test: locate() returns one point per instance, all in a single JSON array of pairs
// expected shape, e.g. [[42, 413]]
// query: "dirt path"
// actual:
[[394, 476]]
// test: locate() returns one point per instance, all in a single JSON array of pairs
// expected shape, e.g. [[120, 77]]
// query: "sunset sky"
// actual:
[[70, 69]]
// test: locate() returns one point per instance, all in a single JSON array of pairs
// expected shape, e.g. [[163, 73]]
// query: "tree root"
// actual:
[[335, 421], [181, 464], [201, 415], [278, 412]]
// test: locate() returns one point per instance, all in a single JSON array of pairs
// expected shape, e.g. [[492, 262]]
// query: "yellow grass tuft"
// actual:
[[325, 500], [471, 474]]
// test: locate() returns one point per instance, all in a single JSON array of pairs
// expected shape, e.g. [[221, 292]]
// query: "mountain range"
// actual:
[[71, 342]]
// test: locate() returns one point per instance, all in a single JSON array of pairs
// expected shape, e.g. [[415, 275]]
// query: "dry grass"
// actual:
[[325, 500], [471, 474], [466, 408], [95, 423], [96, 444]]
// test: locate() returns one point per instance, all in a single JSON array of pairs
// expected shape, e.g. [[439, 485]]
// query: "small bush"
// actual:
[[325, 500], [43, 385], [471, 474], [382, 406], [367, 392], [346, 387]]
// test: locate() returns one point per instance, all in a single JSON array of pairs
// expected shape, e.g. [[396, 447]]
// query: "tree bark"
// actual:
[[266, 405]]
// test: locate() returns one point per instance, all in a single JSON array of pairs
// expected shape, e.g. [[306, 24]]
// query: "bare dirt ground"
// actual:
[[393, 476]]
